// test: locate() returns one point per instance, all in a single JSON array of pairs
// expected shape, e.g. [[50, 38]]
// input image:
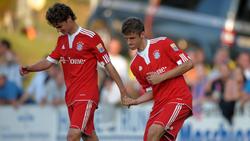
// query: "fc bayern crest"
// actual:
[[157, 54], [79, 46]]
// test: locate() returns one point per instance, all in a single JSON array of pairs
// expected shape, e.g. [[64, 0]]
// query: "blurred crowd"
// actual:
[[222, 87], [46, 87]]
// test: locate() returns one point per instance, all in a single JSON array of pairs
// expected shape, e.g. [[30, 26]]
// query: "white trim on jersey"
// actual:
[[174, 115], [91, 32], [52, 60], [87, 32], [72, 37], [144, 53], [86, 115], [155, 40], [183, 57], [106, 58]]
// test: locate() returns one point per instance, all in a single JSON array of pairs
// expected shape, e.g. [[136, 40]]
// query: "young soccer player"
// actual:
[[78, 50], [159, 66]]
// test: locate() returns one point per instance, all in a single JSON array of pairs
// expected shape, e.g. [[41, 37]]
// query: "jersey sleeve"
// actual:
[[54, 56], [176, 55], [143, 82], [99, 50]]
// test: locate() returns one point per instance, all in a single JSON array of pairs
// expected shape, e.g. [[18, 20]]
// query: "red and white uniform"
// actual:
[[79, 54], [161, 55]]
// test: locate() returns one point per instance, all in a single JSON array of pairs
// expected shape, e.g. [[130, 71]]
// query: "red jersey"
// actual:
[[78, 54], [161, 55]]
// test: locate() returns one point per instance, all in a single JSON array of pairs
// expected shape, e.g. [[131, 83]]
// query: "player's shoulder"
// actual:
[[87, 33], [158, 40]]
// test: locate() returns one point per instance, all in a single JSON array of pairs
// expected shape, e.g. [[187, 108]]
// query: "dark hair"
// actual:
[[132, 25], [5, 43], [58, 13]]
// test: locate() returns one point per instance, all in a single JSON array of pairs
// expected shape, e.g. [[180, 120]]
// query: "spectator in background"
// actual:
[[9, 92], [221, 57], [9, 64], [197, 79], [110, 89], [35, 93], [225, 91], [55, 88], [8, 21], [243, 61], [45, 88], [109, 97]]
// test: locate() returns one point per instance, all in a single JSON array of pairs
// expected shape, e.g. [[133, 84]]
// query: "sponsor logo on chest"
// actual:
[[158, 71], [73, 61]]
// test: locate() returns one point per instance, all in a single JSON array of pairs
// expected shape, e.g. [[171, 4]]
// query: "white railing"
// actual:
[[34, 123]]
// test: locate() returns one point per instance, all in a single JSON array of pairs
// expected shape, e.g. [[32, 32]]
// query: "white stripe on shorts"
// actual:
[[86, 115], [174, 115]]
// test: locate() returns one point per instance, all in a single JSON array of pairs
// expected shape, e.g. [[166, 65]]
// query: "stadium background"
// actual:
[[33, 40]]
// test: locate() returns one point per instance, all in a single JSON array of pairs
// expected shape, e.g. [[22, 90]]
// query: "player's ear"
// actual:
[[68, 19], [142, 35]]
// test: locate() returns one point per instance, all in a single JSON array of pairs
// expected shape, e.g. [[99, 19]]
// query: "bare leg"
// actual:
[[155, 132], [93, 137], [74, 134]]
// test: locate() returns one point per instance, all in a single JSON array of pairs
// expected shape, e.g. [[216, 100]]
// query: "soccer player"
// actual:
[[159, 66], [78, 50]]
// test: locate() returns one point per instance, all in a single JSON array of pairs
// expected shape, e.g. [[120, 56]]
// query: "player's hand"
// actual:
[[23, 70], [123, 100], [154, 78], [127, 101]]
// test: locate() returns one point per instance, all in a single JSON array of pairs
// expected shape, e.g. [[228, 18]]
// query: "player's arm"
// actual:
[[115, 76], [177, 71], [142, 99], [39, 66]]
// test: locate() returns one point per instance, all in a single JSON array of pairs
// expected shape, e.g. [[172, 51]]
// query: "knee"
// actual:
[[155, 131], [73, 136]]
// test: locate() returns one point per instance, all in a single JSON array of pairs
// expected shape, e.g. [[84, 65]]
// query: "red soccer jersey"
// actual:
[[161, 55], [79, 54]]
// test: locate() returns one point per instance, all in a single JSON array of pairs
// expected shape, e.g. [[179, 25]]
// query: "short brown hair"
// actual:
[[132, 25], [58, 13]]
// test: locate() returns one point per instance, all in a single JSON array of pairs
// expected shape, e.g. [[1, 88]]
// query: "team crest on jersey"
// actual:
[[100, 48], [157, 54], [174, 47], [79, 46]]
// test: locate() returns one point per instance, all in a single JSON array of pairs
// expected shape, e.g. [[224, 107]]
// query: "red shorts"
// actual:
[[81, 115], [171, 117]]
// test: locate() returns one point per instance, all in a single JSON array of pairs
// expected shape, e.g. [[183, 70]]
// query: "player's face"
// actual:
[[63, 27], [133, 40]]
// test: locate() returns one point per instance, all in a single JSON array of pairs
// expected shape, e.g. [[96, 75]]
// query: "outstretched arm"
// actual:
[[39, 66], [154, 78]]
